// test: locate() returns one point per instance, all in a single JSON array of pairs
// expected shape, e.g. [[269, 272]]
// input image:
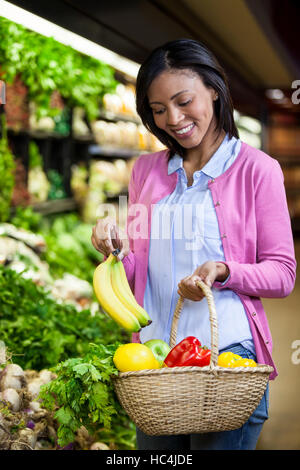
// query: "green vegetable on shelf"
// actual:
[[56, 190], [38, 184], [44, 65], [7, 167]]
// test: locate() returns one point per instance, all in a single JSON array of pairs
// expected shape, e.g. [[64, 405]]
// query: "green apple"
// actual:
[[159, 348]]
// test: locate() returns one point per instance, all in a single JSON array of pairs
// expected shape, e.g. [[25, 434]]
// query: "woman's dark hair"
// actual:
[[192, 55]]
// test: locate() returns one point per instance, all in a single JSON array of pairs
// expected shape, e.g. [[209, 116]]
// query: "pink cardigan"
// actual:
[[254, 224]]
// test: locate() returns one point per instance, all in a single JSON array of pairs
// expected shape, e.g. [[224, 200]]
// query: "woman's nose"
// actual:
[[174, 116]]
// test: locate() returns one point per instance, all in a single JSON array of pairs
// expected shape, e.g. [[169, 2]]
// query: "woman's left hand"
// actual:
[[208, 272]]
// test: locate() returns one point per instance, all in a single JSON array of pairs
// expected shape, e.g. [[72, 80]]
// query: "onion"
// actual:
[[45, 376], [12, 377], [99, 446], [35, 406], [34, 387], [26, 440], [11, 396]]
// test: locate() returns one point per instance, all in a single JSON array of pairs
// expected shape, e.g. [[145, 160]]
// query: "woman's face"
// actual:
[[182, 106]]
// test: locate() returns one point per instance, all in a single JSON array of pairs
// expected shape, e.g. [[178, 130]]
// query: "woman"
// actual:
[[208, 207]]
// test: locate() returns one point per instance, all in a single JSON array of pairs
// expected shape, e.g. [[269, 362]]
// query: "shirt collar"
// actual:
[[215, 164]]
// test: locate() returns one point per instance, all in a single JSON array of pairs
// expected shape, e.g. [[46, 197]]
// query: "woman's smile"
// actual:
[[184, 132]]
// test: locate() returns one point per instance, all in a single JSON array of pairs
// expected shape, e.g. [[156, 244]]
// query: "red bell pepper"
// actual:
[[188, 353]]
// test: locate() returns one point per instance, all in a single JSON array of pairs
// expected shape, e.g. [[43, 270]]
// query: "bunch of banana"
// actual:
[[115, 296]]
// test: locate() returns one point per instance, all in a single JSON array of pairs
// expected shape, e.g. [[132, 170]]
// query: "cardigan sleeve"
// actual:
[[273, 275]]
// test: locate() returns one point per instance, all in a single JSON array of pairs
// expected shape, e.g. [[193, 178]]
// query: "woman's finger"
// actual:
[[97, 246]]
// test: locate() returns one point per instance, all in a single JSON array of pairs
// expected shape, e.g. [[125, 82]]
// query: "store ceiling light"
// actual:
[[275, 94], [81, 44]]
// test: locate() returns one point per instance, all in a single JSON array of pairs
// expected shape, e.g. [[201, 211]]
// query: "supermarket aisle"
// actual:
[[282, 430]]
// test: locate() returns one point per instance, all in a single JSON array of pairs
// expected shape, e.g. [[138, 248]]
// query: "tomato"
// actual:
[[228, 359], [134, 356], [245, 363]]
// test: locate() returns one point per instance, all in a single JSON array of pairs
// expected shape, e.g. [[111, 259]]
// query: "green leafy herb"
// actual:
[[83, 395]]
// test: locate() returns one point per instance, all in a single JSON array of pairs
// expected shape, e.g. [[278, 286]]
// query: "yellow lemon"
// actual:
[[134, 356], [228, 359]]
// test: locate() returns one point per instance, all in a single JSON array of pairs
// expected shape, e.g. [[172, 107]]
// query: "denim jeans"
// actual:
[[243, 438]]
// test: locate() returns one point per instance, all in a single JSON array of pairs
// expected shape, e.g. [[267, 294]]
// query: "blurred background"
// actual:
[[73, 133]]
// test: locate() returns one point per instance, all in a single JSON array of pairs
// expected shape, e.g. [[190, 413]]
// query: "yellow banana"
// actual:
[[124, 293], [109, 301]]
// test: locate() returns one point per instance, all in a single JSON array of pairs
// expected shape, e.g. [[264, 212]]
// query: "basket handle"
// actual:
[[212, 318]]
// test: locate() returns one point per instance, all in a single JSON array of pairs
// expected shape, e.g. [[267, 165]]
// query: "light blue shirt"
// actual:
[[184, 235]]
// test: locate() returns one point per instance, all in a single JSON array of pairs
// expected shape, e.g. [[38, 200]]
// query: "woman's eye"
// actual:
[[185, 103], [157, 111]]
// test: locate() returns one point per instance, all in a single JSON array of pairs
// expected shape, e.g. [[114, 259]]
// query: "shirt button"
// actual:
[[253, 314], [217, 204], [224, 235]]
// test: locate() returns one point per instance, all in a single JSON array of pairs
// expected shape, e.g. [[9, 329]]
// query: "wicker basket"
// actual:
[[186, 400]]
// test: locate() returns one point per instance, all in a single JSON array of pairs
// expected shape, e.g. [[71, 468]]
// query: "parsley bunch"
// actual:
[[83, 395]]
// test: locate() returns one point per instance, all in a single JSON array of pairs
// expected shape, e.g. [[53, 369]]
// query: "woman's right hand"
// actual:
[[107, 237]]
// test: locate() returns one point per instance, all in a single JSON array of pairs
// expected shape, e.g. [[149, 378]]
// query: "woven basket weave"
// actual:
[[186, 400]]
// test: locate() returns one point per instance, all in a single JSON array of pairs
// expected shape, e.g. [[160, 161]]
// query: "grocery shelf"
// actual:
[[55, 206], [110, 116], [113, 152], [36, 134]]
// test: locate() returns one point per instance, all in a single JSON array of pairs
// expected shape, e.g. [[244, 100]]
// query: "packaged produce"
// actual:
[[80, 128], [188, 353]]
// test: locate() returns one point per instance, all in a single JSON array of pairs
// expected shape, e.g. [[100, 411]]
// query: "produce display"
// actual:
[[25, 424], [40, 331], [124, 134], [92, 186], [122, 101], [7, 166], [115, 296], [44, 65], [38, 184]]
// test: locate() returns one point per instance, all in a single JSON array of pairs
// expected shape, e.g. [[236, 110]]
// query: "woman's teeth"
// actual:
[[185, 129]]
